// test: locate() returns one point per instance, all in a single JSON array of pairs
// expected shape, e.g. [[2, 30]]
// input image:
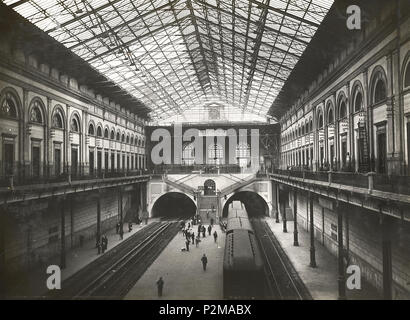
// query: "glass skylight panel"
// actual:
[[179, 56]]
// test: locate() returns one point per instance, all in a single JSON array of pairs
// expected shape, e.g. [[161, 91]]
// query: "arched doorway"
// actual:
[[173, 205], [209, 187], [255, 205]]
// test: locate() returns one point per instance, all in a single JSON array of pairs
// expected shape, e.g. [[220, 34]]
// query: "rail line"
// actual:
[[283, 282], [112, 275]]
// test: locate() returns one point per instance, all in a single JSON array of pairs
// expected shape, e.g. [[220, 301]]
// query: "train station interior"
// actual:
[[270, 136]]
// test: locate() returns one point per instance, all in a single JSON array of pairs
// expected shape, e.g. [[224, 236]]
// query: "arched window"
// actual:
[[142, 143], [310, 125], [132, 140], [75, 124], [8, 106], [99, 132], [57, 120], [243, 154], [112, 135], [35, 112], [330, 118], [118, 136], [123, 138], [188, 154], [215, 154], [379, 91], [358, 101], [407, 76], [342, 110], [91, 131], [320, 121], [106, 133], [128, 139]]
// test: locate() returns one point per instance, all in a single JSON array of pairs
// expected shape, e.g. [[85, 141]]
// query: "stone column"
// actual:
[[295, 221], [120, 212], [62, 244], [98, 235], [387, 257], [340, 254], [312, 234], [285, 229]]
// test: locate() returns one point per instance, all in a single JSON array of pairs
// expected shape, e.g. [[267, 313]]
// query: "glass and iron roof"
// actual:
[[177, 56]]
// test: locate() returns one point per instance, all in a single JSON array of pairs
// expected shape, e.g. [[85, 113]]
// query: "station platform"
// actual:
[[184, 278], [321, 281], [33, 285]]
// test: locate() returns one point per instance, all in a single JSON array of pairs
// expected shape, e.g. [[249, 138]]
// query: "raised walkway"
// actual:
[[320, 281]]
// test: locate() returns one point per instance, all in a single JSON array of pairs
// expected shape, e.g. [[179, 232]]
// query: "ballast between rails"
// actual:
[[121, 263]]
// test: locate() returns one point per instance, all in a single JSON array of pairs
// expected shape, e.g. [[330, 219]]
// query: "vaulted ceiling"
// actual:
[[178, 55]]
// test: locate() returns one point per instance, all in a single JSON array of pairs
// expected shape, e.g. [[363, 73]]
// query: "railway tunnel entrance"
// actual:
[[255, 205], [173, 205]]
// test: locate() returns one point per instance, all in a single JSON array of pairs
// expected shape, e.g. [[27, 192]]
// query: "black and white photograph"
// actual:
[[224, 153]]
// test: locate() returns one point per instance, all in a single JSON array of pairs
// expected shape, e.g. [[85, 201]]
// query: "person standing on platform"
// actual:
[[215, 236], [209, 230], [187, 244], [117, 228], [203, 232], [160, 286], [193, 237], [204, 261], [199, 229], [197, 241]]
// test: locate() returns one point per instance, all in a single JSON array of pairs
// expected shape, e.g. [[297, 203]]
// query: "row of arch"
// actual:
[[328, 116], [121, 137], [10, 107]]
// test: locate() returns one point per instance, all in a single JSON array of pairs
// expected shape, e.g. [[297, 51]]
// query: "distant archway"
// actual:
[[173, 205], [255, 205], [209, 187]]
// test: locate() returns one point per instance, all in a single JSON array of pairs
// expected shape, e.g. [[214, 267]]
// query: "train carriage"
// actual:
[[243, 265]]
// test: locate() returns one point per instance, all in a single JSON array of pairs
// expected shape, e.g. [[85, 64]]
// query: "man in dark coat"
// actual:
[[204, 261], [209, 229], [187, 244], [160, 286]]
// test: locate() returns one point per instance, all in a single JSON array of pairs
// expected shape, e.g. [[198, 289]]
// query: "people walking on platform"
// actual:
[[187, 244], [204, 261], [197, 241], [209, 229], [215, 236], [203, 232], [193, 237], [199, 228], [104, 243], [98, 245], [160, 286]]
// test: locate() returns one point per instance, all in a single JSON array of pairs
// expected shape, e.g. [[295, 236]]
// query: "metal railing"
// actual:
[[18, 174], [372, 181]]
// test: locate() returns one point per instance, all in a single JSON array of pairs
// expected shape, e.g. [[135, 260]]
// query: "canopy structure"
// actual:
[[187, 60]]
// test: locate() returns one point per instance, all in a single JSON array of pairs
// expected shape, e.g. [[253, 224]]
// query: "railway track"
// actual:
[[283, 281], [113, 274]]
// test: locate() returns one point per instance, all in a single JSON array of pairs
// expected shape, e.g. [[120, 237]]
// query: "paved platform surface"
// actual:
[[34, 284], [320, 281], [184, 278]]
